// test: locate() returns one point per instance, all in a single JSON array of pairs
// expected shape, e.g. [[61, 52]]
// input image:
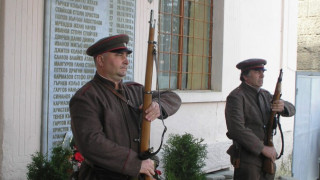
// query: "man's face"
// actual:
[[112, 65], [255, 78]]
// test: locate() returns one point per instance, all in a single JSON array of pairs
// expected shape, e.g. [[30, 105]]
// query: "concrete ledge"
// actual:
[[286, 178], [215, 177], [226, 173]]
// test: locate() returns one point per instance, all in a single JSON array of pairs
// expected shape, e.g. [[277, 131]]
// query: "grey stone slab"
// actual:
[[215, 177], [226, 173], [286, 178]]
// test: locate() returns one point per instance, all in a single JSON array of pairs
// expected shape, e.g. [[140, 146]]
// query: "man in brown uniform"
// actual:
[[247, 112], [106, 114]]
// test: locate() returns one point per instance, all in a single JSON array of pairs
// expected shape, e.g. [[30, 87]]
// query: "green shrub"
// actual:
[[183, 158], [59, 167]]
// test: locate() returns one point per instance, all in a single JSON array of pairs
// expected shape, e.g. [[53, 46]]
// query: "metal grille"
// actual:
[[185, 44]]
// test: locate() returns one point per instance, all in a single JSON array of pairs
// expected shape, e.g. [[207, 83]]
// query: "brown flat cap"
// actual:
[[115, 43], [252, 64]]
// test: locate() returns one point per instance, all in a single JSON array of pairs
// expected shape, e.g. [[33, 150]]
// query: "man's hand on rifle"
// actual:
[[277, 106], [269, 152], [147, 168], [152, 112]]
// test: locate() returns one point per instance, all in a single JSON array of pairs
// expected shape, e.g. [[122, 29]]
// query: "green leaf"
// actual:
[[183, 157]]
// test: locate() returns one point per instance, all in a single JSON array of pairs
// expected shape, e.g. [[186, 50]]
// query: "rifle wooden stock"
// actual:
[[145, 127], [268, 165]]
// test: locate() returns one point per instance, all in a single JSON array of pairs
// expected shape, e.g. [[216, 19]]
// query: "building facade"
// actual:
[[240, 30], [305, 164]]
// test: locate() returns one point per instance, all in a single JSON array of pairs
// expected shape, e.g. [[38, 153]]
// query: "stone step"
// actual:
[[286, 178], [220, 175], [215, 177], [228, 174]]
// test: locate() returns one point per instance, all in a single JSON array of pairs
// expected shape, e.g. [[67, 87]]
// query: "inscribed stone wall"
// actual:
[[71, 27]]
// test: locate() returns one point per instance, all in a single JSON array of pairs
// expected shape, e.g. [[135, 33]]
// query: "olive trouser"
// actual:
[[87, 172], [251, 172]]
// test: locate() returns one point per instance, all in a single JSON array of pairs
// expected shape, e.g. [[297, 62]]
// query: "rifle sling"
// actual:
[[281, 133], [115, 92], [148, 154]]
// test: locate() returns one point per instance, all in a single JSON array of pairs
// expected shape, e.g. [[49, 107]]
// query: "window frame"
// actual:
[[180, 52]]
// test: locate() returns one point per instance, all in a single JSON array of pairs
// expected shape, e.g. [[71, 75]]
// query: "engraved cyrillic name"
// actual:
[[74, 26]]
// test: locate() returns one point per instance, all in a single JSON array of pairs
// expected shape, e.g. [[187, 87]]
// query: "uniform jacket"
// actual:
[[247, 113], [106, 128]]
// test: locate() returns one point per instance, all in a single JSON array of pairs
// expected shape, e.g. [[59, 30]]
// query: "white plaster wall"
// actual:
[[143, 9], [202, 120], [1, 83], [250, 28], [21, 91]]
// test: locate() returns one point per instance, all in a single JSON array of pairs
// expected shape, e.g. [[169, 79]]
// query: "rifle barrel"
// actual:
[[145, 127], [268, 165]]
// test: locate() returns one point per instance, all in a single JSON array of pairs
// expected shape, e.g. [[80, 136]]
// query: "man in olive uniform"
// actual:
[[106, 115], [247, 112]]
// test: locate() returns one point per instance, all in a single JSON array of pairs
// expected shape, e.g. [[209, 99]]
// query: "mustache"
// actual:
[[123, 67]]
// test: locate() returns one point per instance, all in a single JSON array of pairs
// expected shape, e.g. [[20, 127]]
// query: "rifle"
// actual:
[[268, 165], [145, 127]]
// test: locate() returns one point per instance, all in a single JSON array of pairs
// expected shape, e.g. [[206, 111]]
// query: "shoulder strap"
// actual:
[[127, 101]]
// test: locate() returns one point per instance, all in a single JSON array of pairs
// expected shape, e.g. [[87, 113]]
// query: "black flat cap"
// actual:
[[252, 64], [117, 43]]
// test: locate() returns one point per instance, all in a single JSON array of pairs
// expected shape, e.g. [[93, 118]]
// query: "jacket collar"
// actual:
[[250, 88], [107, 81]]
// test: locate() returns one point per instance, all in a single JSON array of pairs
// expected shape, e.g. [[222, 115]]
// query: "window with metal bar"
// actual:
[[185, 44]]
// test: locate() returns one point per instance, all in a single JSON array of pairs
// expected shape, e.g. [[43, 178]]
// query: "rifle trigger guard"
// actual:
[[147, 154]]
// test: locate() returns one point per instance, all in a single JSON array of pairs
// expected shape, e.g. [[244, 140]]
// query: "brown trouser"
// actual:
[[87, 172], [251, 172]]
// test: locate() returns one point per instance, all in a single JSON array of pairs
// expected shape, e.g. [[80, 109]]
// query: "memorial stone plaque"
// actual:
[[71, 27]]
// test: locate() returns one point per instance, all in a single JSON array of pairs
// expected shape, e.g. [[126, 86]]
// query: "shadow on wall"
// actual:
[[1, 79]]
